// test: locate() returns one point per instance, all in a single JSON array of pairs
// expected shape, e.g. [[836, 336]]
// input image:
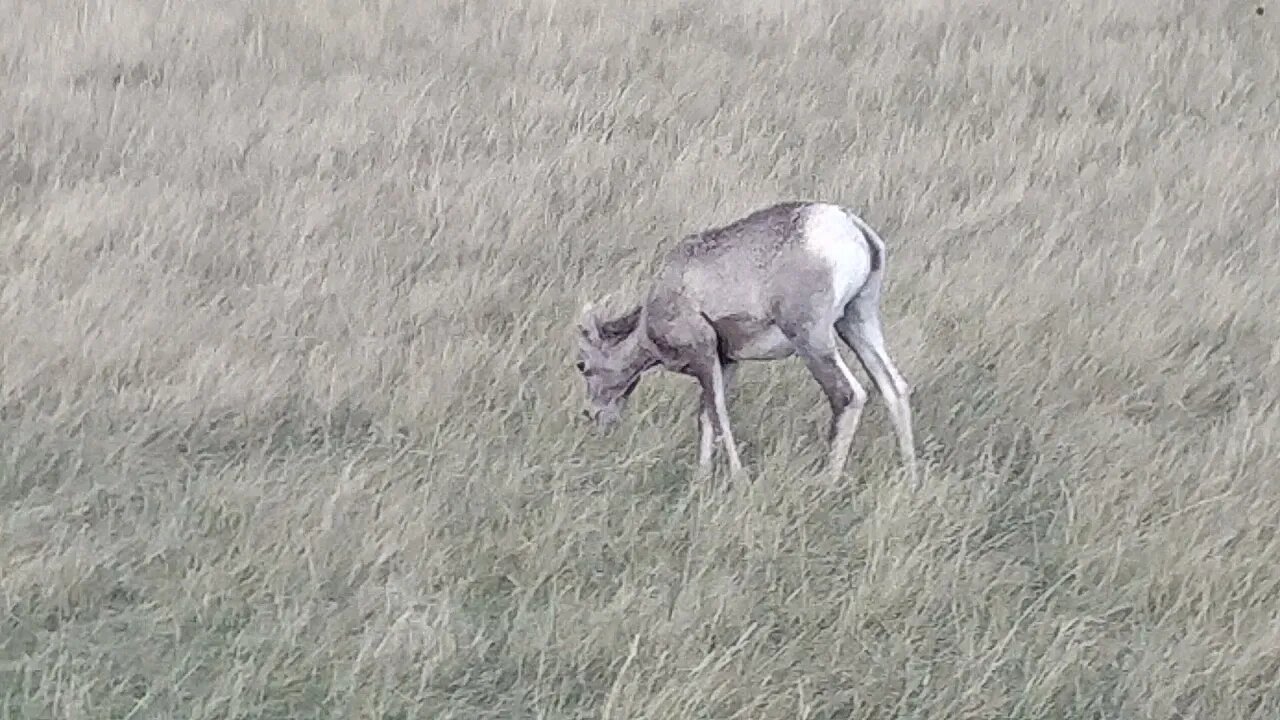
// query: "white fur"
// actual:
[[831, 235], [858, 390]]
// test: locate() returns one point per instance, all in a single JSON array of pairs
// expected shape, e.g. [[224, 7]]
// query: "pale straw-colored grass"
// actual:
[[288, 413]]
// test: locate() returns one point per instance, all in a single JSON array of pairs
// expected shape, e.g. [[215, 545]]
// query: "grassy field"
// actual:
[[289, 425]]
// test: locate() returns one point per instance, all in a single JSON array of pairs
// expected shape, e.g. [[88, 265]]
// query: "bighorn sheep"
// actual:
[[785, 280]]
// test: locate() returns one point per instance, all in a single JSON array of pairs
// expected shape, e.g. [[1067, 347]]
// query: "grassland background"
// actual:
[[287, 416]]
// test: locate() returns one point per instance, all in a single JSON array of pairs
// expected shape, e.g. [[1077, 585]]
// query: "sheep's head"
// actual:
[[610, 372]]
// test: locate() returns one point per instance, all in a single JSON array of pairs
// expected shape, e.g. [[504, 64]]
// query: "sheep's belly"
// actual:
[[765, 344]]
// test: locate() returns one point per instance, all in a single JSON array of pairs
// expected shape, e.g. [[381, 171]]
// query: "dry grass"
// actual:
[[287, 415]]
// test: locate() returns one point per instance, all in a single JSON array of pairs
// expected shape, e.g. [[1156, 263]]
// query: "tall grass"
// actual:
[[287, 406]]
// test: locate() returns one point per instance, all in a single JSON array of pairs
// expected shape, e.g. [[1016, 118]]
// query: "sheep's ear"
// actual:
[[588, 323], [621, 326]]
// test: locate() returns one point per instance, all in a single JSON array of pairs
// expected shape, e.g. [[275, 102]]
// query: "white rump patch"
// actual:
[[831, 235]]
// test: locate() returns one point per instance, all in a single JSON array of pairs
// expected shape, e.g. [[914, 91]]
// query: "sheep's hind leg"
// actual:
[[846, 395], [860, 329]]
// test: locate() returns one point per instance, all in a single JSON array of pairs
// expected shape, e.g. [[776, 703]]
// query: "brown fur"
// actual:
[[759, 288]]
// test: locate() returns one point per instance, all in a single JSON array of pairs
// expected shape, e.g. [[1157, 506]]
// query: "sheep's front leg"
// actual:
[[686, 342], [707, 422], [706, 438], [712, 379]]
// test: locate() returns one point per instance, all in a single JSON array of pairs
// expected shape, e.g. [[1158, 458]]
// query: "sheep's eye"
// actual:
[[582, 367]]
